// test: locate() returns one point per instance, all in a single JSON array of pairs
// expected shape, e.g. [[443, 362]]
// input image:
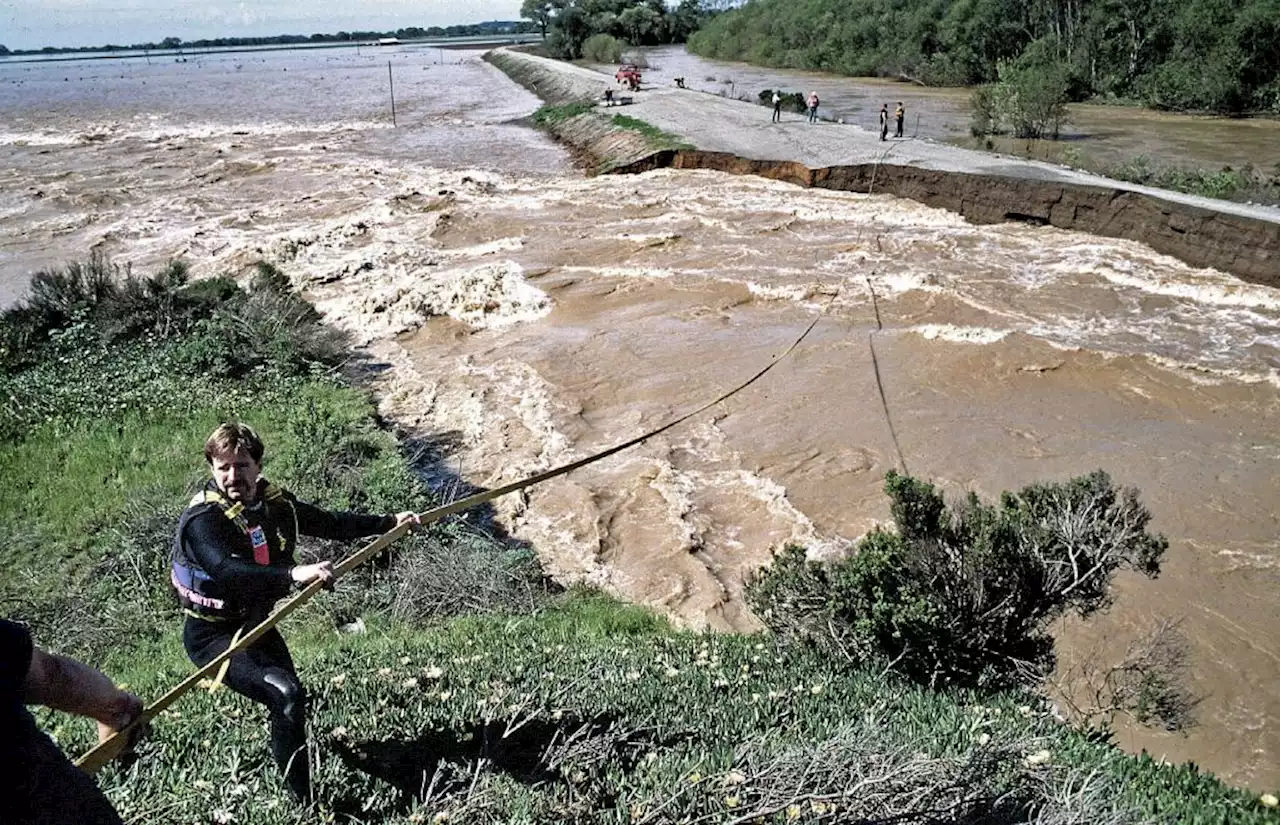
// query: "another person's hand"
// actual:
[[124, 709], [307, 573], [408, 518]]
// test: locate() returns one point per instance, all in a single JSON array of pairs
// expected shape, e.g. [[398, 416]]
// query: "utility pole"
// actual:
[[392, 82]]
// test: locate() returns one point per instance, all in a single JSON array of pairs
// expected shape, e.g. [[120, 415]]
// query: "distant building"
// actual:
[[388, 41]]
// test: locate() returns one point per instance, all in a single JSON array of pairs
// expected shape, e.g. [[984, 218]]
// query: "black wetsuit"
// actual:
[[38, 784], [264, 672]]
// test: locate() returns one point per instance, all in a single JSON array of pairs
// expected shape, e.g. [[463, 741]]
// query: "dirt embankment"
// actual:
[[1194, 230], [597, 143]]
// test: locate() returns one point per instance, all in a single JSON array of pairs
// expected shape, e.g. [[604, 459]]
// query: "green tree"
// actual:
[[641, 24], [540, 12], [684, 20]]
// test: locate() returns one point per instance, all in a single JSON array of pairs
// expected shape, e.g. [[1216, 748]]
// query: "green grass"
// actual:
[[549, 115], [656, 136]]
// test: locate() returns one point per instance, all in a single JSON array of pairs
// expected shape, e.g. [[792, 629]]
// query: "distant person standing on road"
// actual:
[[898, 115], [777, 107], [884, 121], [813, 107]]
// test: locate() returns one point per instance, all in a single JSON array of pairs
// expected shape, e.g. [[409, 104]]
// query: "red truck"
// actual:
[[628, 75]]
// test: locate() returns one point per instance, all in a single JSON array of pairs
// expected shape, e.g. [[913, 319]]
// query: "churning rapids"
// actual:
[[531, 316]]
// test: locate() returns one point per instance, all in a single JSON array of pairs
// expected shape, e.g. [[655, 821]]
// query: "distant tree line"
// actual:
[[566, 25], [407, 33], [1210, 55]]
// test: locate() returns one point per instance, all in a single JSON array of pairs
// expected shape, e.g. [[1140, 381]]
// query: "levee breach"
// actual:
[[984, 188]]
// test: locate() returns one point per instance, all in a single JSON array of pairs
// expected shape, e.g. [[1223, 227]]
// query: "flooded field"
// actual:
[[530, 316]]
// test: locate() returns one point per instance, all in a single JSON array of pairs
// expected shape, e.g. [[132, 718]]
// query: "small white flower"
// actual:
[[433, 672], [384, 672], [411, 682], [444, 695], [633, 675], [404, 660], [816, 689], [984, 738], [1269, 799], [734, 778], [223, 817], [338, 732], [1038, 758]]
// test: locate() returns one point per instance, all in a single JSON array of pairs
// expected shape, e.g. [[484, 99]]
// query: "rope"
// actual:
[[875, 366], [110, 748]]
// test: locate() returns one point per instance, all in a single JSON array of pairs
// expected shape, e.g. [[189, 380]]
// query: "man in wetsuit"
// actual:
[[233, 558], [884, 121], [38, 784], [898, 114]]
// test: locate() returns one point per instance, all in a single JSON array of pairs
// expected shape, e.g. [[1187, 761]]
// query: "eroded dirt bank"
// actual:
[[983, 188]]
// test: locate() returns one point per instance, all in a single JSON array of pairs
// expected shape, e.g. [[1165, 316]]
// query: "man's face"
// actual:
[[236, 474]]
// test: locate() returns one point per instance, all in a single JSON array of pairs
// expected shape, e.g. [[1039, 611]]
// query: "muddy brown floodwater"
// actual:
[[529, 316]]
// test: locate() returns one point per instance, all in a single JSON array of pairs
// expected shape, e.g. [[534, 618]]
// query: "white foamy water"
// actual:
[[536, 316]]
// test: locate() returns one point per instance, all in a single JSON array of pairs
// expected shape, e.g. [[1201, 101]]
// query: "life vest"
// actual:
[[269, 532]]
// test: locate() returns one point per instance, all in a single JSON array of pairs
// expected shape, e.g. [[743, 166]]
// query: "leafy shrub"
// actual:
[[603, 48], [269, 326], [791, 101], [963, 595], [1029, 100], [114, 302]]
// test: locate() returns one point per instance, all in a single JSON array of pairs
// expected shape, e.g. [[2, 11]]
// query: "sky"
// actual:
[[34, 24]]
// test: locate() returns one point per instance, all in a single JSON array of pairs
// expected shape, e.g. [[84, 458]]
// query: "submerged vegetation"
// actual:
[[1245, 183], [462, 687]]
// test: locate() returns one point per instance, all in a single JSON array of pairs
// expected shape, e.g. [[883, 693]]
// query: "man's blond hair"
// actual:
[[232, 436]]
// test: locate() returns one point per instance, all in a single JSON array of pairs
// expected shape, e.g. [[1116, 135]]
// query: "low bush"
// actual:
[[791, 101], [963, 596], [603, 48]]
